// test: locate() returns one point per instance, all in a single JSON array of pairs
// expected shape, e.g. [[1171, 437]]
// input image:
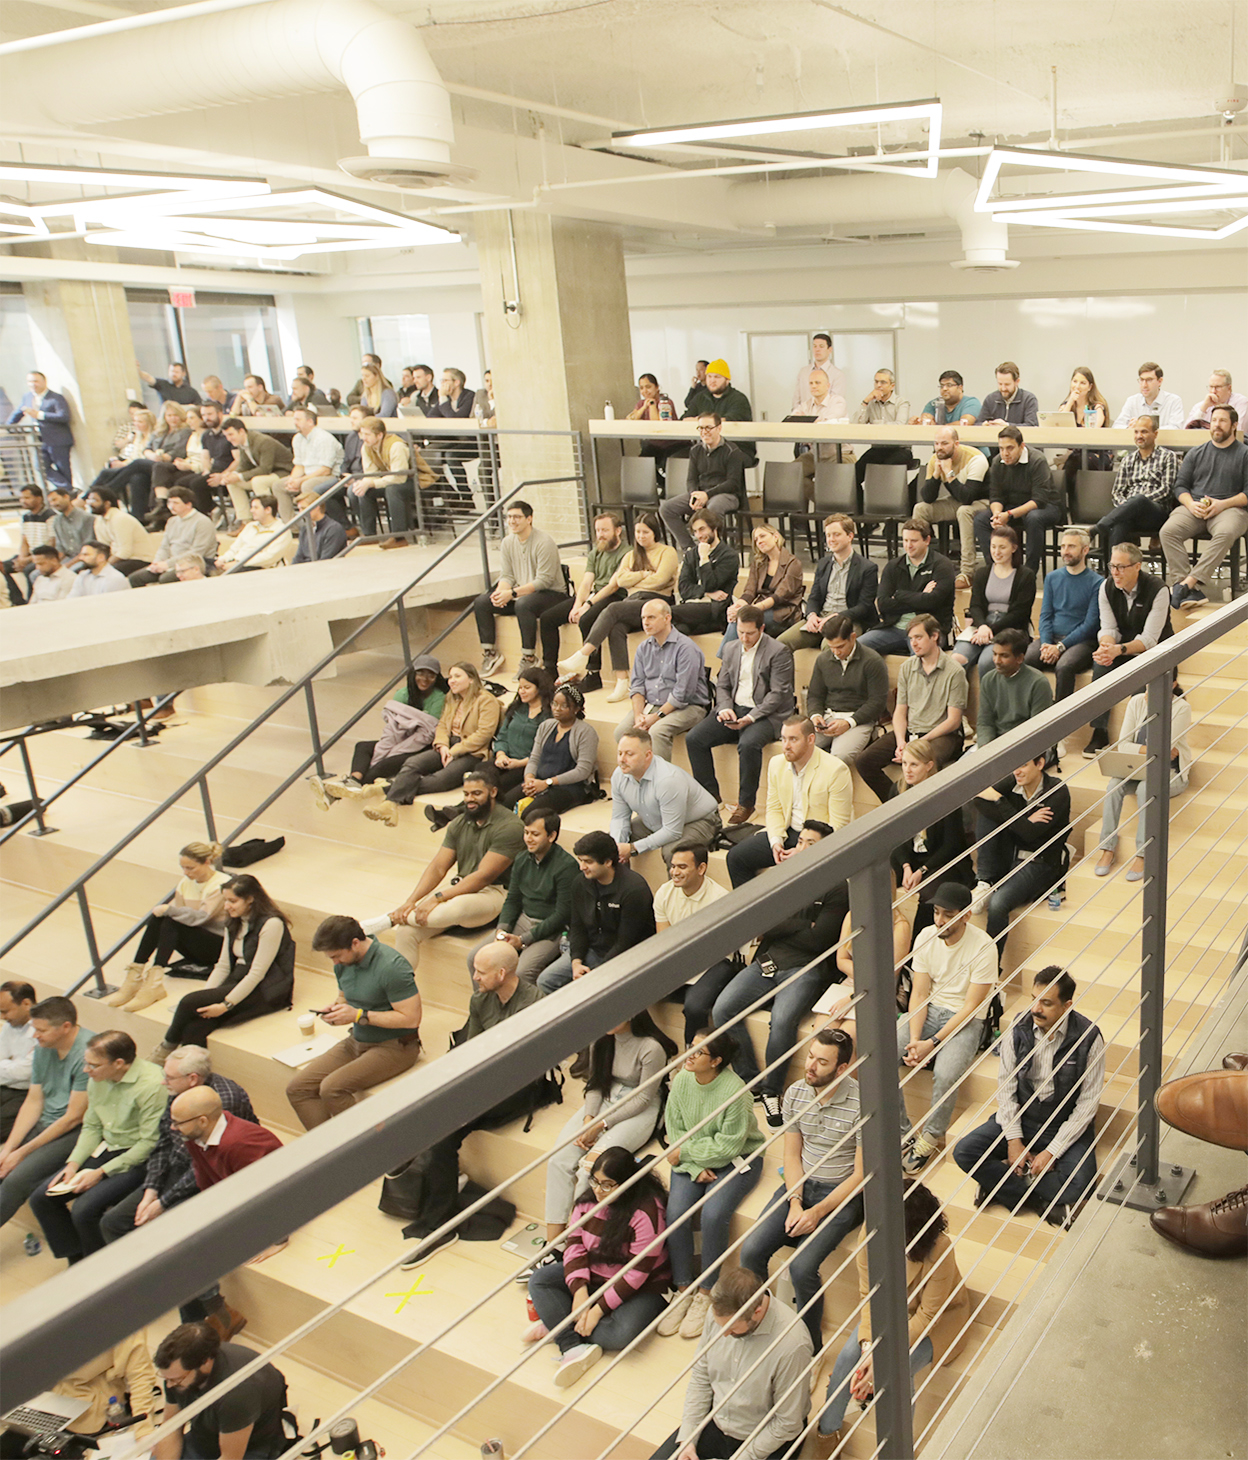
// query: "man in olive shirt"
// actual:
[[480, 846], [378, 998], [124, 1105], [500, 994], [593, 594], [538, 908]]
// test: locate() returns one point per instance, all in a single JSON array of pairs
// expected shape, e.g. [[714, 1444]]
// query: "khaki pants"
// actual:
[[241, 494], [472, 910], [334, 1082], [945, 509], [1221, 533]]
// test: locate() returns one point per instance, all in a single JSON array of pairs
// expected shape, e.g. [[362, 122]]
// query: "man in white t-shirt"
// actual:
[[687, 891], [955, 970]]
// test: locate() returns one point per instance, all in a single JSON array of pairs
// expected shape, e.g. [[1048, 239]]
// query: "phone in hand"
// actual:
[[769, 966]]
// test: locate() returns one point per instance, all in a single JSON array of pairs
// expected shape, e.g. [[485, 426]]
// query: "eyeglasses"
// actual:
[[600, 1185], [189, 1120], [707, 430], [1122, 567]]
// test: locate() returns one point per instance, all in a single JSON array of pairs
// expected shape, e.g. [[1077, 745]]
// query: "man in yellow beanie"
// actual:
[[724, 400]]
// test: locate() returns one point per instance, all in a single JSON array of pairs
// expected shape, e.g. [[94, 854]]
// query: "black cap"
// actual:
[[952, 897]]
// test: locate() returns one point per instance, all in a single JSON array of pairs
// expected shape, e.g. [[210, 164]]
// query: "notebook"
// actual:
[[1057, 418]]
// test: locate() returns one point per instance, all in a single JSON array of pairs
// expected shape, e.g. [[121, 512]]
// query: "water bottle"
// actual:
[[32, 1245], [608, 412], [1089, 416], [115, 1413]]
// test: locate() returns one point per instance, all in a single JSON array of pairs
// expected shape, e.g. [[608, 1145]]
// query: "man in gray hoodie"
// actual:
[[530, 581]]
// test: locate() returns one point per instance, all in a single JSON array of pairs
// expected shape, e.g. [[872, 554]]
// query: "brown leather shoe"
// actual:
[[740, 815], [1235, 1061], [394, 542], [1212, 1106], [225, 1322], [1216, 1229]]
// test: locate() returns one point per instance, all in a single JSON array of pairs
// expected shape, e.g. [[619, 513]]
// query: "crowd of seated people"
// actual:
[[564, 910]]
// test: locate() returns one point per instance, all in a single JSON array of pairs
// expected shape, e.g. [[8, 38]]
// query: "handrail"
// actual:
[[70, 1317], [300, 686]]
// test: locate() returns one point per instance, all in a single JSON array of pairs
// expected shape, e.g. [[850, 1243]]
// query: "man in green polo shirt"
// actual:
[[109, 1160], [378, 998], [46, 1128]]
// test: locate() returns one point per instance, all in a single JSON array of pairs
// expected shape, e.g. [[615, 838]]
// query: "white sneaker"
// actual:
[[575, 1362], [380, 924], [980, 894], [619, 693], [695, 1319], [1061, 750], [669, 1324], [576, 663], [492, 660]]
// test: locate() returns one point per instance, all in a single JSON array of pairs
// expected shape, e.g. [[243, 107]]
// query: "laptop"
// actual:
[[1125, 765], [1057, 418], [46, 1414]]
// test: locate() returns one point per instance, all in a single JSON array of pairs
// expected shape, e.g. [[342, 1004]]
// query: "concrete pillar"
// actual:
[[565, 354], [82, 342]]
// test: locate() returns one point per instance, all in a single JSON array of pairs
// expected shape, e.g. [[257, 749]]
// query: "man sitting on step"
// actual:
[[848, 690], [1040, 1151], [379, 1000], [170, 1176], [655, 804], [479, 847], [612, 911]]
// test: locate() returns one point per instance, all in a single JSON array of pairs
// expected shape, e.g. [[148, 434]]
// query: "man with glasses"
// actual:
[[1135, 616], [246, 1421], [716, 481]]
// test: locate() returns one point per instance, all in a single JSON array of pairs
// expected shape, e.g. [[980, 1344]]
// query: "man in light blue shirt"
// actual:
[[1151, 400], [655, 804], [669, 691], [100, 575]]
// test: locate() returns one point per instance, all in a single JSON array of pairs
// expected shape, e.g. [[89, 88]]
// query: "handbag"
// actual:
[[403, 1191]]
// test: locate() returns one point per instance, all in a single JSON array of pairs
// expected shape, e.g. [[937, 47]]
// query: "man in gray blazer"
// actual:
[[753, 695]]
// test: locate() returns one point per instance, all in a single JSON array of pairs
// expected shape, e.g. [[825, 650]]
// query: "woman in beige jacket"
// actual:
[[939, 1307], [774, 584]]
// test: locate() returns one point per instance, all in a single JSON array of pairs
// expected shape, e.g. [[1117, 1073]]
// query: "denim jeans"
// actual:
[[978, 656], [723, 1196], [559, 973], [953, 1058], [791, 1003], [768, 1237], [74, 1232], [984, 1154], [833, 1416], [886, 640], [700, 997], [1027, 882], [1115, 794], [616, 1329]]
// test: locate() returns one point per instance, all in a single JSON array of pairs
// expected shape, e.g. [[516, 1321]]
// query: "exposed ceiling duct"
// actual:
[[194, 58], [839, 202]]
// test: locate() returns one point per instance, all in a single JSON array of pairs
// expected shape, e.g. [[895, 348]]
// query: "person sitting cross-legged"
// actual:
[[753, 695], [1212, 495], [787, 967], [1040, 1150], [820, 1200], [955, 969], [715, 1161]]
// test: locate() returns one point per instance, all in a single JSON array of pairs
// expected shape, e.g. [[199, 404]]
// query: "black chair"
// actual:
[[784, 498], [1093, 499], [639, 488], [886, 504], [835, 490], [677, 476]]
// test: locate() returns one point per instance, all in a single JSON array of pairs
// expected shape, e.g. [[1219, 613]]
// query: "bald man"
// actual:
[[500, 993], [218, 1143]]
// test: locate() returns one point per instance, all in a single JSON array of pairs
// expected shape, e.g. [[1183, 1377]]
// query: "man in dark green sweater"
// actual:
[[1011, 691], [539, 897]]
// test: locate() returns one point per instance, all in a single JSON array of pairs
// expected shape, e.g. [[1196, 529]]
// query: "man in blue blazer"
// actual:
[[50, 412]]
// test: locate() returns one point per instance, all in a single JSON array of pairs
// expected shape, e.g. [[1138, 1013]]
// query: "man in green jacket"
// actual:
[[1011, 691], [119, 1131], [539, 897]]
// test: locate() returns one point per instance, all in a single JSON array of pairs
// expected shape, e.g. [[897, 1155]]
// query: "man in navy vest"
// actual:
[[1040, 1151]]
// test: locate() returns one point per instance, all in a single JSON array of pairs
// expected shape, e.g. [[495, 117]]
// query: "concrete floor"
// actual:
[[1135, 1350]]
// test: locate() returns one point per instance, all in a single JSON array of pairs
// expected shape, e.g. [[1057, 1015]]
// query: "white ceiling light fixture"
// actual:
[[179, 186], [929, 111], [19, 224], [1163, 189]]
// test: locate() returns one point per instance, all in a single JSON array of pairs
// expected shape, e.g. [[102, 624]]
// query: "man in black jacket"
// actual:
[[786, 948], [848, 691], [1024, 858], [845, 582], [708, 577], [612, 911], [753, 695], [716, 480], [1135, 616], [921, 580], [1021, 495]]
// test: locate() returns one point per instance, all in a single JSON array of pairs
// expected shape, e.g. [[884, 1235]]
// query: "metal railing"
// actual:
[[72, 1316], [77, 888]]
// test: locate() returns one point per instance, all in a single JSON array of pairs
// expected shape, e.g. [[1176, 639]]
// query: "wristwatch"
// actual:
[[936, 1040]]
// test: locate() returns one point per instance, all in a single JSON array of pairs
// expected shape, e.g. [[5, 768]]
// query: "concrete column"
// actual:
[[82, 342], [566, 353]]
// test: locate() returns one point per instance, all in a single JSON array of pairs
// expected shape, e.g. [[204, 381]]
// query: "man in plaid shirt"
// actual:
[[170, 1177], [1143, 489]]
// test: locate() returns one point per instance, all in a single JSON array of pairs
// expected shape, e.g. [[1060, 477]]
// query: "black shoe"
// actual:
[[438, 817], [590, 682], [1098, 742], [427, 1249], [1062, 1215], [771, 1109], [545, 1260]]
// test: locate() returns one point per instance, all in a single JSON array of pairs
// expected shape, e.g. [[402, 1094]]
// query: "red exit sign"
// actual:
[[182, 298]]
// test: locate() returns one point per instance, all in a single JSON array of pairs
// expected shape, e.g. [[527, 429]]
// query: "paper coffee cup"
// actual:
[[307, 1025]]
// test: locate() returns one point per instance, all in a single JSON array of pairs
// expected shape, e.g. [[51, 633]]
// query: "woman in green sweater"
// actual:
[[703, 1168], [513, 742]]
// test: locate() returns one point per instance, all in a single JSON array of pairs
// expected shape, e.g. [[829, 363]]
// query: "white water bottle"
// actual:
[[608, 412]]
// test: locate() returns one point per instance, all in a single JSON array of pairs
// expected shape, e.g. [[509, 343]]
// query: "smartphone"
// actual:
[[769, 967], [318, 1011]]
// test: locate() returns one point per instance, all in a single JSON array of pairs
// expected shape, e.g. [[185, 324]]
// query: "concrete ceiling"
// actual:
[[536, 89]]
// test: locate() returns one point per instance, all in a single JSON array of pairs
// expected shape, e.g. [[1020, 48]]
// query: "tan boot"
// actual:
[[130, 983], [152, 992], [384, 811]]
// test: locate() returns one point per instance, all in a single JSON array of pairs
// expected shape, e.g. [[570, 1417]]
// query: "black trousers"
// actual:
[[186, 1027], [713, 1444], [386, 768], [528, 609], [554, 618], [163, 937], [442, 1173]]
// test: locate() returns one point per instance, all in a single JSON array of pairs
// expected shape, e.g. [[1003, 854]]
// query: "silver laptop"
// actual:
[[1057, 418], [1126, 765], [45, 1415]]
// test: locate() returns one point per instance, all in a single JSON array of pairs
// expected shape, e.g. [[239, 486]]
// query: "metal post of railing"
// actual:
[[137, 707], [42, 829], [210, 821], [97, 966], [870, 903], [485, 558], [314, 729]]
